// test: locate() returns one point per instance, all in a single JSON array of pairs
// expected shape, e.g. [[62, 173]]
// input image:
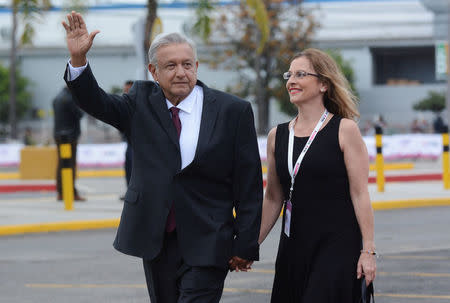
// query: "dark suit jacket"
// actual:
[[225, 173], [67, 116]]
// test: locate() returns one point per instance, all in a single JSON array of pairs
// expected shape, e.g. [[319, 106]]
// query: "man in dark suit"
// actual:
[[195, 159], [66, 129]]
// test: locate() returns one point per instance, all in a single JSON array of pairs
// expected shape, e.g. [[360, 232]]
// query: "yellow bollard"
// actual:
[[379, 161], [445, 160], [65, 151]]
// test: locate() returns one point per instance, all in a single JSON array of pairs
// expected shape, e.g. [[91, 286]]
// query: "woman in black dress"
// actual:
[[318, 170]]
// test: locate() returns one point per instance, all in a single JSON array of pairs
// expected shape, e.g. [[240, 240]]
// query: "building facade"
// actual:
[[390, 44]]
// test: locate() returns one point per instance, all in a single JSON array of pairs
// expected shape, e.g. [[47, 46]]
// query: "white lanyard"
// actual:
[[294, 172]]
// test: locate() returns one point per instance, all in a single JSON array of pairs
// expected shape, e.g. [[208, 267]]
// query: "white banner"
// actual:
[[395, 147], [407, 146], [10, 154], [101, 155]]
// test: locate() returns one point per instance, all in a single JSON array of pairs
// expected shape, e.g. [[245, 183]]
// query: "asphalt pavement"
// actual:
[[83, 267], [411, 230]]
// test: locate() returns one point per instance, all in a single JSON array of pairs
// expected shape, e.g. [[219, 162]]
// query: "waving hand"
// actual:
[[79, 40]]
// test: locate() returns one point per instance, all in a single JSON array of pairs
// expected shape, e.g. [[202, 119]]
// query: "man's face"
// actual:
[[176, 71]]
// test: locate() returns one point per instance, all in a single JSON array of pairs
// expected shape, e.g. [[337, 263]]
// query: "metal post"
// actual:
[[379, 161], [445, 159], [65, 152]]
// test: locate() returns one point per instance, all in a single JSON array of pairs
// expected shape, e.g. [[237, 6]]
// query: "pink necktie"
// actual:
[[171, 224]]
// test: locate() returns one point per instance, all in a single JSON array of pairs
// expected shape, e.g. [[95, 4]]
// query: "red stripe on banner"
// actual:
[[27, 187]]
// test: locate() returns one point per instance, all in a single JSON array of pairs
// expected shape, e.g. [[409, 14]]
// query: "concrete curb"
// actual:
[[9, 230], [410, 203]]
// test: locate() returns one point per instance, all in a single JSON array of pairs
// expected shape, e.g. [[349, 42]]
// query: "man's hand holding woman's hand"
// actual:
[[79, 41], [239, 264]]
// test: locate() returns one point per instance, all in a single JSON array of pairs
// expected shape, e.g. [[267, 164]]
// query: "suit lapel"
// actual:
[[208, 120], [158, 103]]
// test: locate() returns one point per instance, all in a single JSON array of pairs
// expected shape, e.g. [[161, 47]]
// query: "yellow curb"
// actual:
[[394, 166], [7, 176], [9, 230], [80, 174], [101, 173], [411, 203]]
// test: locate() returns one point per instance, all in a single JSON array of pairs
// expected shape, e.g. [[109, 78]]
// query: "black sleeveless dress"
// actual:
[[317, 263]]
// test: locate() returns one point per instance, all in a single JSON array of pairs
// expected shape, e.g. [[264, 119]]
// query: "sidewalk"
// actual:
[[38, 211]]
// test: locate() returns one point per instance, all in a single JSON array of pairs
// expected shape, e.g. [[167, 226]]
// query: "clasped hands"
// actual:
[[239, 264]]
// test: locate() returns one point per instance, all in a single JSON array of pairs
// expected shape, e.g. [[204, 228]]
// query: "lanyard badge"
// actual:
[[293, 171]]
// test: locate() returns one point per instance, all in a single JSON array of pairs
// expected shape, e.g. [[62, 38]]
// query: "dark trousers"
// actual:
[[170, 280], [72, 164]]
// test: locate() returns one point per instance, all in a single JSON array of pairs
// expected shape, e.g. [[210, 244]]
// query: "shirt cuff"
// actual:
[[74, 72]]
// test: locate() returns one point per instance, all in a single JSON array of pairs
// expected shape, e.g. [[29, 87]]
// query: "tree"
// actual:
[[259, 56], [29, 10], [346, 68], [23, 96], [152, 7], [435, 102]]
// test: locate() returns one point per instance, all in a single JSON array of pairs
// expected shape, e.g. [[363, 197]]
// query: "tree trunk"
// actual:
[[12, 75], [261, 98], [152, 6], [263, 112]]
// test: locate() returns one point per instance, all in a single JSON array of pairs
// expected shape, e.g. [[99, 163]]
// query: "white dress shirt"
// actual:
[[74, 72], [190, 116]]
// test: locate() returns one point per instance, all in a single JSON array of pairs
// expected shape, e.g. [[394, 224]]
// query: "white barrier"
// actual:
[[407, 146], [395, 147], [101, 155], [10, 154]]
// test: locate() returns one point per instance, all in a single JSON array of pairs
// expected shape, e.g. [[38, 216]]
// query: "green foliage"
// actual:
[[203, 21], [259, 13], [30, 11], [435, 102], [346, 68], [23, 95], [116, 89], [259, 45]]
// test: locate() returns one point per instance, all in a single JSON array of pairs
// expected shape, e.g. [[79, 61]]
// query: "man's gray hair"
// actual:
[[166, 39]]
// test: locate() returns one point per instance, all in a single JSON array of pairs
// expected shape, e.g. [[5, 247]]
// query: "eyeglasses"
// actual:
[[298, 75]]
